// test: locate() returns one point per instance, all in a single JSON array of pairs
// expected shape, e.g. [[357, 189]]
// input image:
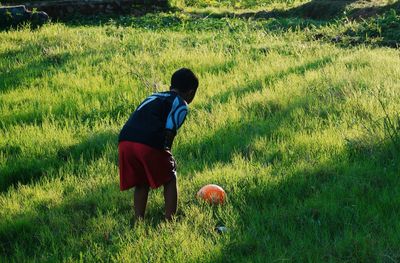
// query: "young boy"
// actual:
[[145, 142]]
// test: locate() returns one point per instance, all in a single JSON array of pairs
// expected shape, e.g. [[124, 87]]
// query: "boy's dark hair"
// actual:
[[184, 80]]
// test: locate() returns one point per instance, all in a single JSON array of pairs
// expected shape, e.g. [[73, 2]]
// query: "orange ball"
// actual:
[[212, 194]]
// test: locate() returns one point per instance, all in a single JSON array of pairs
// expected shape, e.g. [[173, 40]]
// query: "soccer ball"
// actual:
[[212, 194]]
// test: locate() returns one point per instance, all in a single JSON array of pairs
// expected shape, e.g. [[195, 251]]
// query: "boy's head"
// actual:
[[185, 83]]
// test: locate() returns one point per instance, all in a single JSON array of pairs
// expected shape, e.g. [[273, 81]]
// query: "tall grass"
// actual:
[[280, 122]]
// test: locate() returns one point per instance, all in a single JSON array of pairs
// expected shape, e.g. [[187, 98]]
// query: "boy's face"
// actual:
[[189, 96]]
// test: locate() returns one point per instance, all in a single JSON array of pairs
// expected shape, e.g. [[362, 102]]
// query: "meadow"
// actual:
[[301, 130]]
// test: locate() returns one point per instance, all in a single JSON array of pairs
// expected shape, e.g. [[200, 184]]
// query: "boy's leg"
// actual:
[[140, 200], [171, 198]]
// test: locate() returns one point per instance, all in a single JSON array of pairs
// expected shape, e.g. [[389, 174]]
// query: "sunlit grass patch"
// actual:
[[302, 135]]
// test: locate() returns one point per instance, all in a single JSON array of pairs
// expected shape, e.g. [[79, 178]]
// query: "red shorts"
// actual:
[[140, 164]]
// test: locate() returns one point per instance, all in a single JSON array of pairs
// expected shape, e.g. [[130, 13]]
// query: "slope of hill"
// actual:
[[302, 132]]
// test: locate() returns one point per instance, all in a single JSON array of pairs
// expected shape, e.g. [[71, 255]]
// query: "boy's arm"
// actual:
[[169, 139], [175, 120]]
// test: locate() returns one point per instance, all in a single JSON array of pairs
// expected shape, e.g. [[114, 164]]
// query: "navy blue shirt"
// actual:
[[158, 113]]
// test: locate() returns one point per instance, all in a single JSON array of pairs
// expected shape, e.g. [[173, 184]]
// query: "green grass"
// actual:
[[291, 127]]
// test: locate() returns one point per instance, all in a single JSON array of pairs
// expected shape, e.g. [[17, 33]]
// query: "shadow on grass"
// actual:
[[326, 10], [313, 16], [346, 206], [224, 97], [28, 169], [318, 9], [33, 71], [46, 233], [321, 205], [21, 232], [29, 69], [375, 10], [377, 25], [223, 143], [20, 235], [65, 110], [338, 210], [83, 208]]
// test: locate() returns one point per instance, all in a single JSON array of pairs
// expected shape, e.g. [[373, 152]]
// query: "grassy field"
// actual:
[[302, 132]]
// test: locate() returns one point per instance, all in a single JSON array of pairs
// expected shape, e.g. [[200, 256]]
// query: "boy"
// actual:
[[145, 142]]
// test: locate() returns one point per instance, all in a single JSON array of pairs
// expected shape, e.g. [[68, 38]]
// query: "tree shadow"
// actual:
[[316, 10], [21, 233], [339, 210], [20, 169], [273, 220], [137, 18], [375, 10], [317, 14], [325, 203], [31, 68], [193, 21], [236, 137], [311, 15], [73, 217], [66, 109], [24, 170], [286, 212], [253, 86]]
